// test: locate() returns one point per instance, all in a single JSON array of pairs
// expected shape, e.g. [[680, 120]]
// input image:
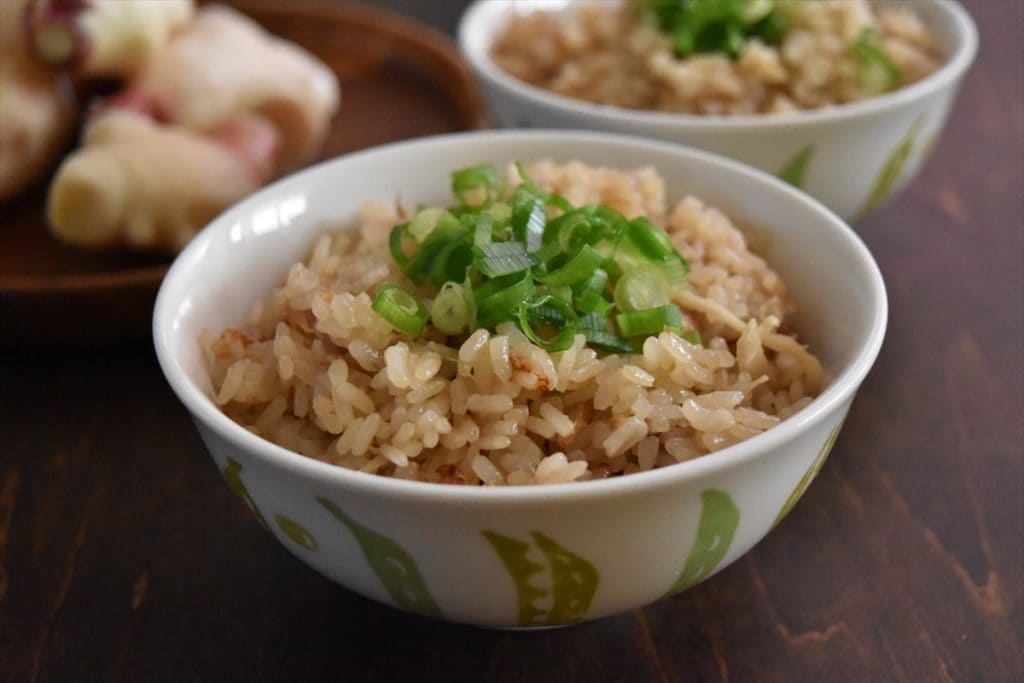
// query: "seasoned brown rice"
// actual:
[[316, 370], [604, 53]]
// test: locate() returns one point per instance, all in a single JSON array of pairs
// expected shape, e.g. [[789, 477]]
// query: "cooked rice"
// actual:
[[603, 53], [317, 371]]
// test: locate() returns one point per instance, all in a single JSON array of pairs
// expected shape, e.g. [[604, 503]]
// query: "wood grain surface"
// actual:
[[124, 557]]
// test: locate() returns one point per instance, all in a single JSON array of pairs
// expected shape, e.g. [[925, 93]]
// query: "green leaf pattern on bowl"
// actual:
[[793, 171], [395, 567], [719, 518], [573, 581], [289, 527], [233, 476], [809, 475], [891, 171], [296, 532]]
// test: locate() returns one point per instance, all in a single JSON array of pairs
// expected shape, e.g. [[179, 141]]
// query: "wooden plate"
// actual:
[[399, 80]]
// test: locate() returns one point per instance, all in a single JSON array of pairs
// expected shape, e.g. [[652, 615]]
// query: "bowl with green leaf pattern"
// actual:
[[854, 154], [533, 555]]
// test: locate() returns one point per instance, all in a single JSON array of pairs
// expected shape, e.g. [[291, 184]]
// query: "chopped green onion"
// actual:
[[497, 299], [648, 321], [675, 269], [476, 186], [609, 341], [546, 253], [500, 212], [594, 327], [716, 25], [529, 214], [612, 224], [692, 336], [578, 268], [592, 302], [395, 242], [626, 257], [650, 239], [755, 10], [878, 73], [553, 312], [494, 262], [645, 287], [563, 292], [770, 29], [424, 222], [528, 219], [559, 202], [402, 310], [521, 170], [501, 258], [571, 230], [540, 309], [483, 230], [593, 321], [453, 262], [597, 282], [453, 310], [436, 244]]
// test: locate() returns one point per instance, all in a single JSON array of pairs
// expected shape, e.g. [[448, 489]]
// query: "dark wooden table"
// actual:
[[124, 557]]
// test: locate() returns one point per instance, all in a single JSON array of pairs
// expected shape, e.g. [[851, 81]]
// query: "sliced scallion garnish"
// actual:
[[395, 242], [424, 222], [595, 328], [452, 262], [483, 230], [497, 299], [477, 186], [436, 243], [715, 25], [453, 309], [579, 267], [609, 341], [501, 258], [878, 73], [528, 218], [402, 310], [550, 312], [592, 302], [692, 336], [651, 240], [648, 321], [645, 287], [563, 292], [597, 281], [534, 260]]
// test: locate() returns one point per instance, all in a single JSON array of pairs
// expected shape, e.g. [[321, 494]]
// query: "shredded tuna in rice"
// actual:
[[609, 54], [318, 371]]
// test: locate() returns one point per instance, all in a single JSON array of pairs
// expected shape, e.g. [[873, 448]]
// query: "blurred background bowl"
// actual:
[[858, 156]]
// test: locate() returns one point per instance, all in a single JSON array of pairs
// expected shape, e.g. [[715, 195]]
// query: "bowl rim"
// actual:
[[950, 71], [204, 411]]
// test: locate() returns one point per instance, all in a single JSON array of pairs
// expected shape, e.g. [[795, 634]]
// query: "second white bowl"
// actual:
[[858, 156]]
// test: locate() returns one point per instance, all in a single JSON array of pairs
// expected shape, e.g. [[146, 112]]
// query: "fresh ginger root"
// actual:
[[103, 38], [223, 65], [143, 184], [37, 109], [214, 106]]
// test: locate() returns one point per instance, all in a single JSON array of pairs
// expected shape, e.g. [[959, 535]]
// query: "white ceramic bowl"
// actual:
[[600, 547], [860, 155]]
